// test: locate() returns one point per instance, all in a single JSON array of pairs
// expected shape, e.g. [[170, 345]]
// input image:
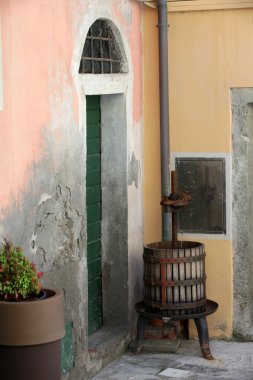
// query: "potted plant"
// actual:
[[31, 320]]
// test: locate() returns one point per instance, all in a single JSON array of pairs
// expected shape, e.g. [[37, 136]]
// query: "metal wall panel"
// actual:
[[204, 179]]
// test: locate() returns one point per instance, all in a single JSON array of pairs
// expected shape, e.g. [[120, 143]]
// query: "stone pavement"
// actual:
[[233, 361]]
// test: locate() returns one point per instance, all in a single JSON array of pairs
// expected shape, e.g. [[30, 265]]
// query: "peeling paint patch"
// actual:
[[44, 198], [134, 36], [126, 11], [134, 168], [58, 230]]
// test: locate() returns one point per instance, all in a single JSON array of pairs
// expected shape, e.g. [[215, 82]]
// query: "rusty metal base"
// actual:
[[199, 319]]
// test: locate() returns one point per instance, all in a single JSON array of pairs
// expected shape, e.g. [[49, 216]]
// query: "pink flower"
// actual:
[[40, 274]]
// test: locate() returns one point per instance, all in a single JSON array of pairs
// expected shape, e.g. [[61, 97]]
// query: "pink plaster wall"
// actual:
[[37, 45], [38, 38]]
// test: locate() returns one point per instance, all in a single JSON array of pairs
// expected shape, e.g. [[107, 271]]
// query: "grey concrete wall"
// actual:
[[114, 210], [242, 210], [50, 222]]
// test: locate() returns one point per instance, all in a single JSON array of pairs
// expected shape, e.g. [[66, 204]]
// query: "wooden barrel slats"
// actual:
[[174, 276], [172, 283]]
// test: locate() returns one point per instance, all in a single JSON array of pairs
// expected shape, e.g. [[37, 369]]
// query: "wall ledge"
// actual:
[[203, 5]]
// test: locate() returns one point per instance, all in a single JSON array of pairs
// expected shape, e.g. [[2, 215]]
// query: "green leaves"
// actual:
[[19, 279]]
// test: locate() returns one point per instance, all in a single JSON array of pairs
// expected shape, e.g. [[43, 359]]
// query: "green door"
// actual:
[[93, 203]]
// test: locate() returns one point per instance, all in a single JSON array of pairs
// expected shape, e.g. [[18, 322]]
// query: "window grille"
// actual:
[[101, 53]]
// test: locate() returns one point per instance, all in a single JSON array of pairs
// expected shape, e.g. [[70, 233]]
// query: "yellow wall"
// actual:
[[209, 53]]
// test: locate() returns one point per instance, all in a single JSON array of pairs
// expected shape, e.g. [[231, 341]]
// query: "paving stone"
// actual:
[[233, 361], [176, 373]]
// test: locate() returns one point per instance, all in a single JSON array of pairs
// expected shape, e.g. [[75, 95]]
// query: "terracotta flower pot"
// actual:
[[30, 334]]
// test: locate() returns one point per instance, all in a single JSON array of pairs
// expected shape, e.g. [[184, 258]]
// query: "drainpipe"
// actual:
[[164, 115]]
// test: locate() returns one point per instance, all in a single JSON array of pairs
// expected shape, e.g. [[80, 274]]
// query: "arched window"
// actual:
[[101, 53]]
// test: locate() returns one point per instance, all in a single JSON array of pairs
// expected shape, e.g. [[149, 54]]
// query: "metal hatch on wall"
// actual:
[[203, 178]]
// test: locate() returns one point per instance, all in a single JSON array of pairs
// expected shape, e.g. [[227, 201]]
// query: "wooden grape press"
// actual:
[[175, 281], [174, 271]]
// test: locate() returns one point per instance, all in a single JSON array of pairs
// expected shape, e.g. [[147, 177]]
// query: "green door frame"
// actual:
[[94, 204]]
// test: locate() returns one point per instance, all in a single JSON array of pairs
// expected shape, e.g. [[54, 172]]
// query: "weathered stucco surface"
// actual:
[[242, 132], [43, 158]]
